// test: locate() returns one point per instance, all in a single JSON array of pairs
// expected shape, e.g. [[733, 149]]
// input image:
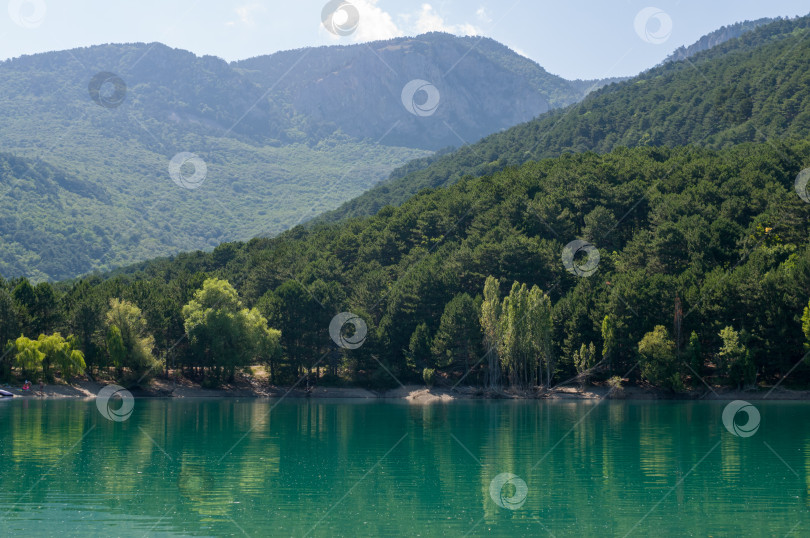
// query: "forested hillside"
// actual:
[[274, 148], [752, 88], [698, 264]]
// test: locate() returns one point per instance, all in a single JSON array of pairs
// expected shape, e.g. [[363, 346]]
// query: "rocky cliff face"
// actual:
[[718, 37]]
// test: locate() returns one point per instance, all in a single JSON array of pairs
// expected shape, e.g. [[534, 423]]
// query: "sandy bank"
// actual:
[[413, 394]]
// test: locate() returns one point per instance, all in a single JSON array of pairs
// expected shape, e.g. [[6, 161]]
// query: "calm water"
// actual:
[[326, 468]]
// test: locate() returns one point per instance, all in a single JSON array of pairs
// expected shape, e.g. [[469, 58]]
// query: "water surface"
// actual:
[[338, 468]]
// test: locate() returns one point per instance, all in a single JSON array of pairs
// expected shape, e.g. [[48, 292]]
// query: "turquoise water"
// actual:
[[338, 468]]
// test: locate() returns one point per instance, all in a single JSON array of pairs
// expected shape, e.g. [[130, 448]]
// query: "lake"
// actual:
[[349, 468]]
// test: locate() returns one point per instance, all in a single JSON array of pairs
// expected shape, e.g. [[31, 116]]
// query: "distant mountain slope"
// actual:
[[718, 37], [283, 138], [746, 89], [34, 242], [482, 87]]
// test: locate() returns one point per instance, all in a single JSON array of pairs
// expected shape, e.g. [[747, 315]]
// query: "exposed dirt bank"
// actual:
[[415, 394]]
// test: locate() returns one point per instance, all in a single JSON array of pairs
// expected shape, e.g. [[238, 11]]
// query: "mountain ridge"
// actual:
[[270, 162], [602, 121]]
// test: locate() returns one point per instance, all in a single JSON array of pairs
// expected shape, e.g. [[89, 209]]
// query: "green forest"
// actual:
[[657, 233], [750, 89], [698, 271]]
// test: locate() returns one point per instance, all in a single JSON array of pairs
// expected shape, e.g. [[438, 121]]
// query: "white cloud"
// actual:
[[374, 22], [430, 21], [483, 16], [377, 24], [247, 14]]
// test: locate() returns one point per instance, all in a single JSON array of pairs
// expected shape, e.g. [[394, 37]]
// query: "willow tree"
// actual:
[[28, 356], [806, 326], [490, 316], [128, 341], [35, 356], [61, 353]]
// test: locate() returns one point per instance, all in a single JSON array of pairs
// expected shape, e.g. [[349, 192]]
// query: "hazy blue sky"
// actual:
[[572, 38]]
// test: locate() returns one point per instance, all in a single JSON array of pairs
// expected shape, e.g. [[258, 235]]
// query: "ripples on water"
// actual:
[[326, 468]]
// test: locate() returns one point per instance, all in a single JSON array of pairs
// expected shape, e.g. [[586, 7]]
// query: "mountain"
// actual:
[[751, 88], [718, 37], [481, 87], [680, 266], [277, 139]]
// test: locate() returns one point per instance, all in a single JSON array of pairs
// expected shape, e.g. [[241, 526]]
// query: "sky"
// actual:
[[584, 39]]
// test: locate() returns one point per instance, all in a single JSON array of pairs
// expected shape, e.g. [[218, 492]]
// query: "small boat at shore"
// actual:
[[5, 394]]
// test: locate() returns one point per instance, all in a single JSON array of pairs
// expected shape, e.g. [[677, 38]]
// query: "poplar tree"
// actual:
[[608, 340], [490, 316], [541, 327]]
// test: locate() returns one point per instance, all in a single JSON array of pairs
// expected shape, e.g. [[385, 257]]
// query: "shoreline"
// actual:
[[415, 394]]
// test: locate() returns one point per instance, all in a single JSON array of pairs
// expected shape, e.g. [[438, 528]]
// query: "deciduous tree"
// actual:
[[659, 365]]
